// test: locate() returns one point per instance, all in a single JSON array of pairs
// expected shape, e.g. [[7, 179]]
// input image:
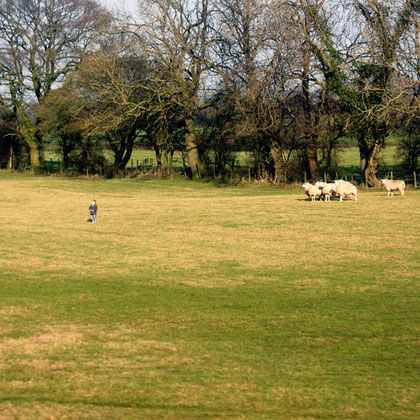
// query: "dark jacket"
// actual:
[[93, 208]]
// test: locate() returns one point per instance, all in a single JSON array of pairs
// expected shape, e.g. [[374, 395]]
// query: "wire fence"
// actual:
[[247, 173]]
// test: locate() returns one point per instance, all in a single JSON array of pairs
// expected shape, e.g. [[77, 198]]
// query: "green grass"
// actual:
[[190, 301], [350, 156]]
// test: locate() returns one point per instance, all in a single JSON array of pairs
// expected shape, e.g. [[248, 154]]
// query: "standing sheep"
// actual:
[[328, 189], [312, 191], [392, 186], [344, 188]]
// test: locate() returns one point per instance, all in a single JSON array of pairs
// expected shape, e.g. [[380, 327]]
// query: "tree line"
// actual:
[[283, 80]]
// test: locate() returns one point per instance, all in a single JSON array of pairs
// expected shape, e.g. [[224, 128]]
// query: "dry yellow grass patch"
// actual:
[[8, 313], [42, 343], [61, 411]]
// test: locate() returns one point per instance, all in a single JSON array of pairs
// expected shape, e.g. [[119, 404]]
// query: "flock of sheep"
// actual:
[[343, 189]]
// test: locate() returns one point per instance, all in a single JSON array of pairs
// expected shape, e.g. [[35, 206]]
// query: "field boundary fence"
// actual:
[[248, 173], [351, 173]]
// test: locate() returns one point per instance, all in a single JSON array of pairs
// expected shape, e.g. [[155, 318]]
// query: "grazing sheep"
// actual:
[[312, 191], [328, 189], [344, 188], [392, 186]]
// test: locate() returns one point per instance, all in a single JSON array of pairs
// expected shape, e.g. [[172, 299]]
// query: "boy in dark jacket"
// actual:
[[93, 209]]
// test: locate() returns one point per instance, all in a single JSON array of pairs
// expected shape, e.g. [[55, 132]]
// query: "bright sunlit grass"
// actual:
[[189, 300]]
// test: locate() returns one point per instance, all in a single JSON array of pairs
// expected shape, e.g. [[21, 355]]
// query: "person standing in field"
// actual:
[[93, 209]]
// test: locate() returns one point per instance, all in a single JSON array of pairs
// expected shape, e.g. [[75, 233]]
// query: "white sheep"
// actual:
[[344, 188], [392, 186], [328, 189], [312, 191]]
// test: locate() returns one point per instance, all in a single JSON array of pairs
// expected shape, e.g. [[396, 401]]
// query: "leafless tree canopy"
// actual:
[[281, 79], [41, 41]]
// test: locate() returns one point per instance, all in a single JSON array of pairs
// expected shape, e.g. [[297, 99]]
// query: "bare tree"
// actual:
[[310, 118], [40, 42], [364, 75], [177, 35], [255, 47], [58, 120], [111, 90]]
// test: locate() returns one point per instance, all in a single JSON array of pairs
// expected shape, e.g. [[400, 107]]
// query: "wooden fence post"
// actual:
[[11, 157], [249, 174], [415, 179], [366, 179]]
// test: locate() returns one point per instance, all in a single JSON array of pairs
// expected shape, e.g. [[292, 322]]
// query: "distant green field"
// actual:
[[138, 157], [350, 156], [347, 157], [189, 300]]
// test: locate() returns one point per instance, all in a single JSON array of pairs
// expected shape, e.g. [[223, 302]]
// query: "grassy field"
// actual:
[[191, 301]]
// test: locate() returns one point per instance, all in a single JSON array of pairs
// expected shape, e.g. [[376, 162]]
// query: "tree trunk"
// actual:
[[310, 136], [170, 169], [364, 154], [121, 145], [35, 155], [369, 150], [328, 158], [33, 139], [168, 161], [66, 149], [158, 154], [278, 162], [372, 165], [118, 160], [11, 157], [165, 162], [193, 156], [311, 153], [128, 151]]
